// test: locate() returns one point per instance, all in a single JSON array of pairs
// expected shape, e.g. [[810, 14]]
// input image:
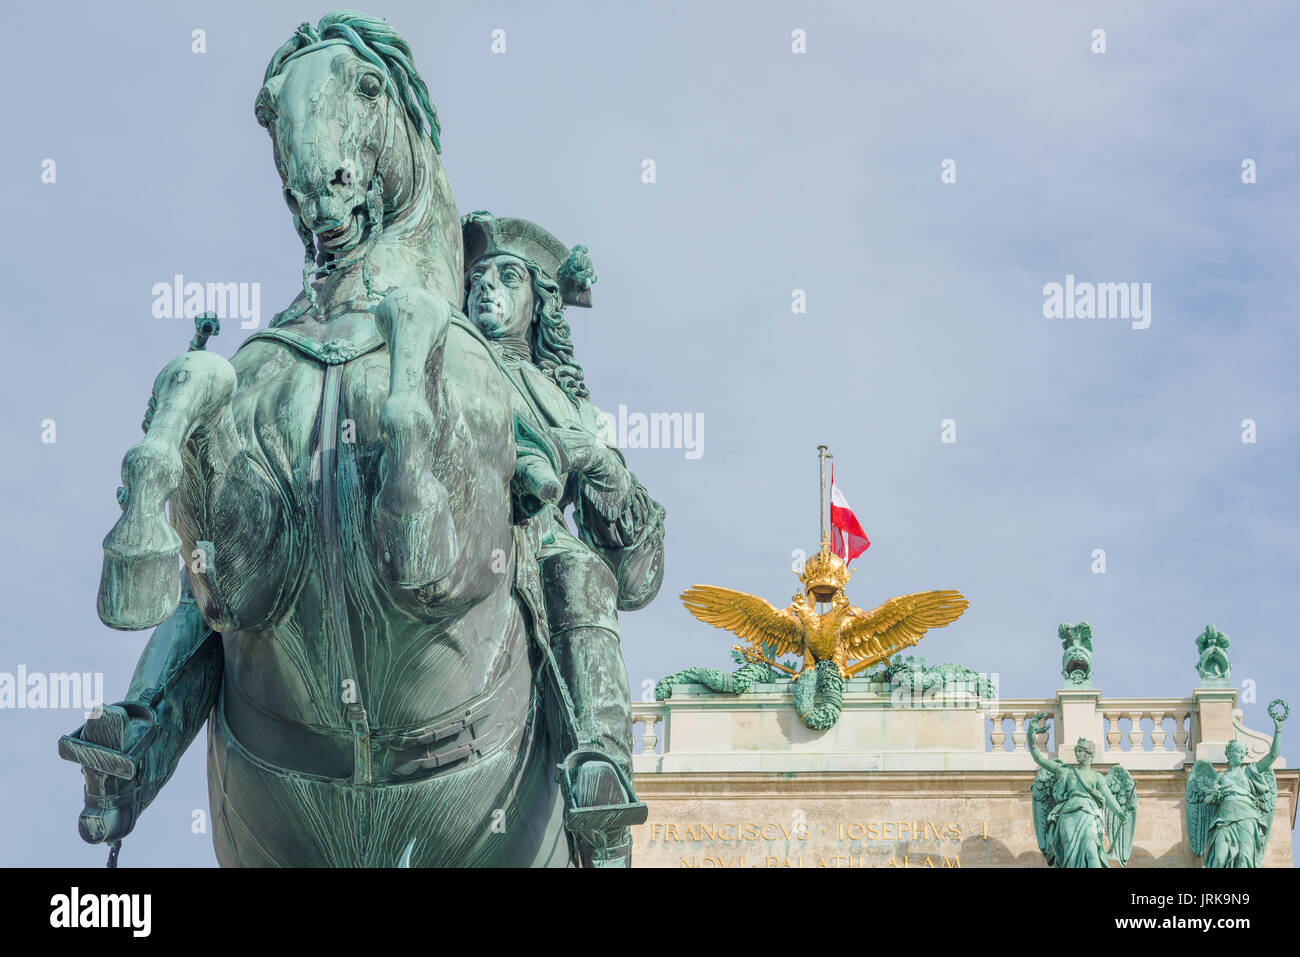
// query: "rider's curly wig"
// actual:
[[378, 44], [550, 338]]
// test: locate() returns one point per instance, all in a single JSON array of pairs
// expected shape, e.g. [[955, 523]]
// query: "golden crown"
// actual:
[[824, 574]]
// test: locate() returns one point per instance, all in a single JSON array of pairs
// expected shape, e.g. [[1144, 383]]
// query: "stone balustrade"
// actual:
[[1011, 750], [1170, 725], [698, 730]]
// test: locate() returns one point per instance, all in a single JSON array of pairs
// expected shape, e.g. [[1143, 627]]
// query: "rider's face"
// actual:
[[500, 296]]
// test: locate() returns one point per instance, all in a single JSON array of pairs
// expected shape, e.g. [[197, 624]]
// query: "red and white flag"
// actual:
[[848, 540]]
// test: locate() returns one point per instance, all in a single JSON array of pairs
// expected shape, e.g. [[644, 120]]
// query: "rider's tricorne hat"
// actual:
[[571, 270]]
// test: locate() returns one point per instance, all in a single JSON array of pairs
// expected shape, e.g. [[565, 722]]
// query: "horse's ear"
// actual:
[[264, 102]]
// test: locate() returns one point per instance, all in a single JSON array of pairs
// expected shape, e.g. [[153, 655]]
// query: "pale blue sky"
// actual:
[[775, 172]]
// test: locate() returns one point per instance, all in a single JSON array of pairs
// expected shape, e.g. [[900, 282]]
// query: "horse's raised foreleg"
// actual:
[[141, 585], [414, 532]]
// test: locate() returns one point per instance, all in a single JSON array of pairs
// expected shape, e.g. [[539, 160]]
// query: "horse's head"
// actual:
[[354, 134]]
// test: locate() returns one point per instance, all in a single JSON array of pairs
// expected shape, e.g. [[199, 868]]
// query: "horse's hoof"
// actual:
[[138, 588], [414, 550], [140, 585]]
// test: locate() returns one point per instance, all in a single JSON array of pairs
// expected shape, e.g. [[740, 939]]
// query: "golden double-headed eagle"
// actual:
[[845, 634]]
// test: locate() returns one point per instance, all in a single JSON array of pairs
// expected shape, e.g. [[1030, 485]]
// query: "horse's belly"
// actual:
[[282, 771], [503, 811]]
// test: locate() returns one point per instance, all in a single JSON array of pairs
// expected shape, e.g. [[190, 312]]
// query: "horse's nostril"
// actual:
[[343, 176], [291, 201]]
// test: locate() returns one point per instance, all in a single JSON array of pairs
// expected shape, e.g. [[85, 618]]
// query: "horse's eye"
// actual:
[[370, 85]]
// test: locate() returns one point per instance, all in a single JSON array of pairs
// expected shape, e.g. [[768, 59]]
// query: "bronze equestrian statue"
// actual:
[[402, 652]]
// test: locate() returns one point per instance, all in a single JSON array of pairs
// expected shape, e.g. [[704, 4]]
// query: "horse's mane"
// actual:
[[378, 44]]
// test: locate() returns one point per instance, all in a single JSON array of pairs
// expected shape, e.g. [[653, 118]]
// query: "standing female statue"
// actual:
[[1230, 814], [1074, 806]]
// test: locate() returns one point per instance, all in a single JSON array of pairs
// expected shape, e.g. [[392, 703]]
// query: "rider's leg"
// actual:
[[580, 595], [173, 690]]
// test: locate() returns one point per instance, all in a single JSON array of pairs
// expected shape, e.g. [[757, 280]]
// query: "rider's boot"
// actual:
[[600, 801], [597, 784], [128, 750]]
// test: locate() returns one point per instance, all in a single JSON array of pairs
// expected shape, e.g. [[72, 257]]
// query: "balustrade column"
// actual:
[[1181, 726], [998, 737], [1018, 733], [1114, 735], [648, 737], [1158, 733], [1135, 733]]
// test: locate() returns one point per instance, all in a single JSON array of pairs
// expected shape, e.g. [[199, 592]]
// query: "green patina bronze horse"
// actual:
[[359, 597]]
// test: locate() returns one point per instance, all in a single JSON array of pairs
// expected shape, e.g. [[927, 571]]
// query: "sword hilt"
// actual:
[[206, 325]]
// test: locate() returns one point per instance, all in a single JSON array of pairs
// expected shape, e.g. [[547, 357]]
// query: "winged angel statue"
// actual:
[[1074, 805], [1230, 814]]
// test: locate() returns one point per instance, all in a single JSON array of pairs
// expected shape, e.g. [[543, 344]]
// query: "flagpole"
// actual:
[[821, 501]]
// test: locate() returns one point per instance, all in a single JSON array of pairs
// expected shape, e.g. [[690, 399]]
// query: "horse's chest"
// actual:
[[312, 426]]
